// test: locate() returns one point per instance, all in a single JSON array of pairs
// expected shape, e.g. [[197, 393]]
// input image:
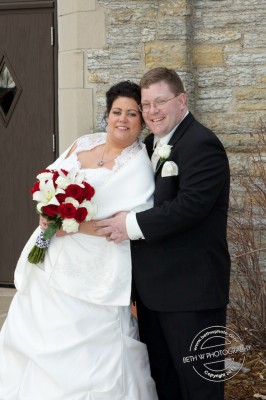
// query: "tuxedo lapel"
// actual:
[[149, 144], [179, 132]]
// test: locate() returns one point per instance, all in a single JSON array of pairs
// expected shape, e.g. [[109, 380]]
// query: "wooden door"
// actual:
[[27, 118]]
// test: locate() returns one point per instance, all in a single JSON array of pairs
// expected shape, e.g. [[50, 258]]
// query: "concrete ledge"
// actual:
[[6, 292], [6, 296], [2, 320]]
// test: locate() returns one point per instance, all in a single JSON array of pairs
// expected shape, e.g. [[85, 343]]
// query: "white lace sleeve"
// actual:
[[126, 155], [88, 142]]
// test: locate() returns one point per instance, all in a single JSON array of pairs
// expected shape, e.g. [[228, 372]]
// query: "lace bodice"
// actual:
[[98, 176]]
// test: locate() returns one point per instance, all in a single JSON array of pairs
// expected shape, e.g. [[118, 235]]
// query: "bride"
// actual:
[[69, 333]]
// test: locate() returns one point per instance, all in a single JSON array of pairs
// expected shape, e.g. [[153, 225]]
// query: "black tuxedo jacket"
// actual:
[[183, 264]]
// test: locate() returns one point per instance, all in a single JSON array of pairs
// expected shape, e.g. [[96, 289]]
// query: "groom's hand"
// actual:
[[113, 228]]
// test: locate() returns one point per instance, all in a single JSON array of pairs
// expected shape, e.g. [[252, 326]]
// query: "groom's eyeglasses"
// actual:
[[159, 104]]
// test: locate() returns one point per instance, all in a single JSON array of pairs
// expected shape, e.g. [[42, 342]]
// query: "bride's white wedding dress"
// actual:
[[62, 343]]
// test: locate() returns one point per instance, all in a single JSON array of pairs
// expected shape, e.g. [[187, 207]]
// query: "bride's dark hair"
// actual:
[[122, 89]]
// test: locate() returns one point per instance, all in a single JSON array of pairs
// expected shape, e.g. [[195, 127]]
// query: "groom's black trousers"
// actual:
[[168, 336]]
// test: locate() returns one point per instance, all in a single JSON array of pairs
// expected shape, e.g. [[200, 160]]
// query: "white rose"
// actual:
[[70, 225], [91, 208], [163, 151]]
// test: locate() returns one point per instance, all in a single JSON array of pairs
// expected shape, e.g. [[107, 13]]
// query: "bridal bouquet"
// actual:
[[64, 200]]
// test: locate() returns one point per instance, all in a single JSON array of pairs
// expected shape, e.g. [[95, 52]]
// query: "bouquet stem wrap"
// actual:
[[38, 251]]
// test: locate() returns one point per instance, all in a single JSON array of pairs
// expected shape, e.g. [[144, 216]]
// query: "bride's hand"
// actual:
[[61, 233], [43, 222], [88, 228], [84, 227]]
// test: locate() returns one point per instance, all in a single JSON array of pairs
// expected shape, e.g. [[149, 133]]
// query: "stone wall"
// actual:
[[217, 46]]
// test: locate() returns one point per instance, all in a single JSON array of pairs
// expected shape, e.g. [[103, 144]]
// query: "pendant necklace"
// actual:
[[101, 163]]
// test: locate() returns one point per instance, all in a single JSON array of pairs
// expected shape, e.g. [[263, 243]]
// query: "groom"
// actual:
[[180, 258]]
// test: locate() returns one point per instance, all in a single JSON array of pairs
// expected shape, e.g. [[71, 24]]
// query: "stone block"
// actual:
[[171, 54], [84, 30], [225, 77], [72, 6], [208, 55], [210, 36], [71, 69], [230, 122], [251, 93], [175, 8], [257, 106], [75, 115], [248, 57]]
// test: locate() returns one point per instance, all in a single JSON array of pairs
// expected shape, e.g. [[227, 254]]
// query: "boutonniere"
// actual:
[[163, 152]]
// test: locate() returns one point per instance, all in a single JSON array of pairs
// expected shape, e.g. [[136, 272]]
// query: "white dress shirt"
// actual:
[[133, 230]]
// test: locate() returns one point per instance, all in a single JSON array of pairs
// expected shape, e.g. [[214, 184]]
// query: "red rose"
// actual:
[[74, 191], [81, 214], [61, 197], [67, 210], [51, 210], [88, 190], [35, 188], [55, 176]]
